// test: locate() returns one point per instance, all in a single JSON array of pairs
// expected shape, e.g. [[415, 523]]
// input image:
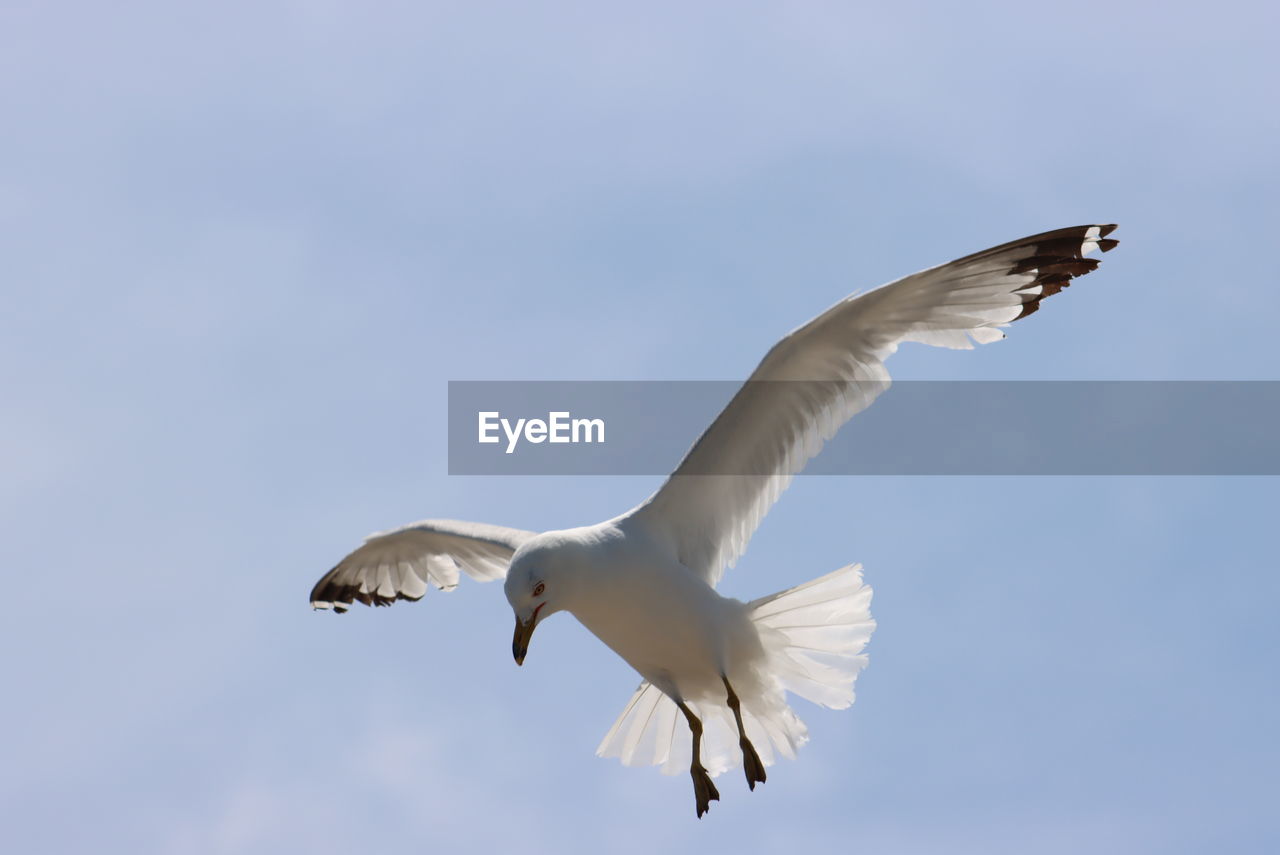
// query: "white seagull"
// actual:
[[644, 582]]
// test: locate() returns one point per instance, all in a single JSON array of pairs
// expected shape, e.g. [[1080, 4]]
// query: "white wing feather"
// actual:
[[708, 509], [399, 564]]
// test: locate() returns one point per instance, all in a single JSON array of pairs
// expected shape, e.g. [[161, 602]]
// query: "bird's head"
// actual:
[[535, 592]]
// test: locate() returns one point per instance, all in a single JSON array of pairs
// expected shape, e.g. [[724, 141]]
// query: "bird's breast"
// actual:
[[666, 623]]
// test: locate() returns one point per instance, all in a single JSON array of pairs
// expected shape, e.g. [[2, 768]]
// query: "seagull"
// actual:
[[644, 582]]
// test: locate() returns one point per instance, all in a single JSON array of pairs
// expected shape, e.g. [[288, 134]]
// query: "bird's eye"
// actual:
[[539, 588]]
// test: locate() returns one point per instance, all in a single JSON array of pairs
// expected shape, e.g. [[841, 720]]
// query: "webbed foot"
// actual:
[[751, 764], [704, 790]]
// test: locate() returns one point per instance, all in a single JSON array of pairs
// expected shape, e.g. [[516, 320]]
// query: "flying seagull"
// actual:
[[644, 582]]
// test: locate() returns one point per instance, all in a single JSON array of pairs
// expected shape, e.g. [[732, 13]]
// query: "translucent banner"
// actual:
[[912, 428]]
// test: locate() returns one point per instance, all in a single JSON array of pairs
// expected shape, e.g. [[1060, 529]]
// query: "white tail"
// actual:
[[813, 636]]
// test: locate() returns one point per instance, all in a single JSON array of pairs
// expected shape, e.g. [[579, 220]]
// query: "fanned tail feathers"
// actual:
[[825, 624]]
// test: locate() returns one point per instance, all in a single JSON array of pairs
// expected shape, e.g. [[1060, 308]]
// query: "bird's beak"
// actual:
[[524, 632]]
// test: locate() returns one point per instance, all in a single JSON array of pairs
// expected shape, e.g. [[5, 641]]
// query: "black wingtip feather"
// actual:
[[1056, 258], [337, 597]]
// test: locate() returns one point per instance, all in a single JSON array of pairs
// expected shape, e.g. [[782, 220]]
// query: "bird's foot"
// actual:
[[751, 764], [704, 791]]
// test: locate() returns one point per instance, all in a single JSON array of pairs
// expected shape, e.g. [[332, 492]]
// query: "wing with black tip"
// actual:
[[402, 564]]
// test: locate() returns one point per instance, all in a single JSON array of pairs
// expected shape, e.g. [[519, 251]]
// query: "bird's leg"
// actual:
[[704, 791], [750, 759]]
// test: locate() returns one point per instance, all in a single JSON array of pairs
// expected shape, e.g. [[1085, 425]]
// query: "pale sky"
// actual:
[[246, 246]]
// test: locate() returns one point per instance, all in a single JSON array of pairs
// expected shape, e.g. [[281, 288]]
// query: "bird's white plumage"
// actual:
[[644, 582], [813, 638]]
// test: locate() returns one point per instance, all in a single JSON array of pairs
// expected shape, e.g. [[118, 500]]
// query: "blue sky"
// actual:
[[247, 245]]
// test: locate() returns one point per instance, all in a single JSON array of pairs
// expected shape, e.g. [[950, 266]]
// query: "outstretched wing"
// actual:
[[399, 564], [823, 373]]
